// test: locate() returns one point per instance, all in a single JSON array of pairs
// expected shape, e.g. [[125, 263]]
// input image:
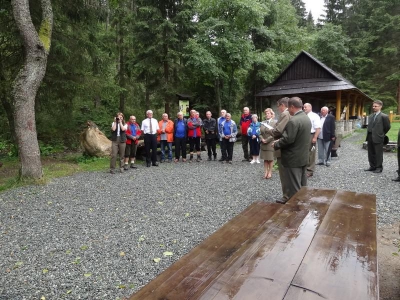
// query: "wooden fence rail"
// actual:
[[393, 117]]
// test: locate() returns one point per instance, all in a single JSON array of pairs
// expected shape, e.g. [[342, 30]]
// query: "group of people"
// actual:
[[125, 138], [292, 140]]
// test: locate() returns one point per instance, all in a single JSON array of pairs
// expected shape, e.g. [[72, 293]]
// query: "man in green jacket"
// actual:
[[294, 145]]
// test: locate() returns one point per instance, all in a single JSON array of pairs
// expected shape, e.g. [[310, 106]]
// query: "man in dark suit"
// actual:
[[326, 137], [378, 126], [398, 158], [294, 145]]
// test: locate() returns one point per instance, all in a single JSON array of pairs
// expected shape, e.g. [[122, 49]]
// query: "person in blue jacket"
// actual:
[[253, 132]]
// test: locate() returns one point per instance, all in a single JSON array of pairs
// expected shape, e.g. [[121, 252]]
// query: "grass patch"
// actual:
[[393, 132], [64, 165]]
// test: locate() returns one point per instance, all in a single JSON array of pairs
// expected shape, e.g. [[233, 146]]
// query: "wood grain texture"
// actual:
[[194, 271], [270, 263], [320, 245], [342, 260]]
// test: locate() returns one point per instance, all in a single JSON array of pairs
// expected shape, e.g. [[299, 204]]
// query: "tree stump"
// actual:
[[95, 142]]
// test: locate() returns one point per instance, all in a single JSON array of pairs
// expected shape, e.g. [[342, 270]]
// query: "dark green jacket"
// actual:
[[295, 141]]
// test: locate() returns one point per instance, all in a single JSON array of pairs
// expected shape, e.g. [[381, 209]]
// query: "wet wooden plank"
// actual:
[[193, 271], [265, 269], [342, 260]]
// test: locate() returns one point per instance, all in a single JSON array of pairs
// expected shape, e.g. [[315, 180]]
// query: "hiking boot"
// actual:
[[198, 159], [209, 158], [126, 167], [133, 166], [112, 171]]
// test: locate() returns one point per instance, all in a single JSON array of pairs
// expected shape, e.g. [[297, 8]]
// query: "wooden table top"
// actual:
[[320, 245]]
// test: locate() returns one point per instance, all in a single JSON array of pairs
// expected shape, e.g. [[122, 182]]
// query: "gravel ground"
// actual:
[[96, 235]]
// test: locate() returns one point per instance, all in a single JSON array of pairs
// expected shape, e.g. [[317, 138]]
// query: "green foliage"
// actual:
[[9, 149], [393, 132], [125, 55], [331, 47]]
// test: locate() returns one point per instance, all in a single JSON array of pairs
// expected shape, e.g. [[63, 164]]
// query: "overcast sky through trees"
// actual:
[[316, 7]]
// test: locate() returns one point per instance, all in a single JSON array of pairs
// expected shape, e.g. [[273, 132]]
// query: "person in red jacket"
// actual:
[[133, 133], [194, 134], [245, 122], [165, 136]]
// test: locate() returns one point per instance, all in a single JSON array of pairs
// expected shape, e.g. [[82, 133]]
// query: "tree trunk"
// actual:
[[27, 82], [218, 98], [7, 105], [121, 62], [398, 97], [166, 72]]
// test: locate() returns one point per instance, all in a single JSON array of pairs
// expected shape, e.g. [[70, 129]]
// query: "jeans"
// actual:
[[163, 144], [323, 148]]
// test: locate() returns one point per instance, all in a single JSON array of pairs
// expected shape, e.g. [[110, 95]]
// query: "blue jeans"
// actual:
[[162, 145], [323, 156]]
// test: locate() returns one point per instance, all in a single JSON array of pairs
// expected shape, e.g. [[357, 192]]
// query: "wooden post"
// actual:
[[362, 107], [359, 113], [348, 107], [353, 107], [338, 104], [391, 116]]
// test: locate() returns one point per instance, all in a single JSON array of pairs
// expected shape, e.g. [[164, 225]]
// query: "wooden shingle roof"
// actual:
[[306, 74]]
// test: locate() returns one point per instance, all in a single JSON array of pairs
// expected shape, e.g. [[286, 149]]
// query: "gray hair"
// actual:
[[254, 116], [149, 112]]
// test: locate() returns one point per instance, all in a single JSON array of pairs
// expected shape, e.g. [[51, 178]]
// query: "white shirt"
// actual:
[[322, 120], [315, 121], [124, 127], [146, 126]]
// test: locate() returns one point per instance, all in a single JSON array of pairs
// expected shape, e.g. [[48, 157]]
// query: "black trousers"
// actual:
[[245, 145], [375, 153], [211, 146], [194, 144], [398, 160], [180, 147], [150, 146], [227, 149]]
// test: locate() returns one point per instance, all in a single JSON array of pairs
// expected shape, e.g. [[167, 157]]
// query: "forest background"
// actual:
[[133, 55]]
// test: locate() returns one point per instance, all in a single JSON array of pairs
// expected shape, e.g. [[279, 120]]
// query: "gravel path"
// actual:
[[95, 235]]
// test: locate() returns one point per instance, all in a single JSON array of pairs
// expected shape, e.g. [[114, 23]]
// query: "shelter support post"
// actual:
[[362, 106], [353, 106], [338, 104], [359, 113], [347, 107]]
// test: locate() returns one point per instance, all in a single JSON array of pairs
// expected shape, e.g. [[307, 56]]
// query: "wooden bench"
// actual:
[[320, 245]]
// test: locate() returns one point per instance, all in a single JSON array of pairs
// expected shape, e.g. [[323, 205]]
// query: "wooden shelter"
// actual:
[[311, 80]]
